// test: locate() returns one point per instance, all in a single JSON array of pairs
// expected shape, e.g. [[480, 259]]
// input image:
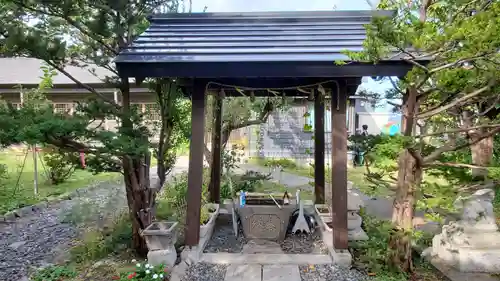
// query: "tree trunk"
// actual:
[[482, 155], [409, 178], [140, 200], [224, 139], [140, 197], [482, 150]]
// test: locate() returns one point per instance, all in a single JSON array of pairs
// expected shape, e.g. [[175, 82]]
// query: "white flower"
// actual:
[[161, 275], [155, 276], [134, 260], [148, 265], [147, 271], [138, 265]]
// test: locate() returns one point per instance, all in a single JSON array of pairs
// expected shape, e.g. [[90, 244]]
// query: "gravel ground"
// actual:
[[205, 272], [40, 239], [304, 244], [223, 240], [329, 272]]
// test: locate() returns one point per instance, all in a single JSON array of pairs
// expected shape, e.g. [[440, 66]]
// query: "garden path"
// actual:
[[39, 239]]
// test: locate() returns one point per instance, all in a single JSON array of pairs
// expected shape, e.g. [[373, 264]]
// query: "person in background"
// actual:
[[358, 158], [365, 130]]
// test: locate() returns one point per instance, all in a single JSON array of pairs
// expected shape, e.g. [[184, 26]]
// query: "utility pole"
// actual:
[[35, 169]]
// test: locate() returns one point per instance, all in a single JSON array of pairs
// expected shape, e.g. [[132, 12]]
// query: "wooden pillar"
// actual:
[[339, 165], [195, 172], [214, 188], [319, 147]]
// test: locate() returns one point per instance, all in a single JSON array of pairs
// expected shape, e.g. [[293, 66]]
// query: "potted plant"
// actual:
[[208, 214]]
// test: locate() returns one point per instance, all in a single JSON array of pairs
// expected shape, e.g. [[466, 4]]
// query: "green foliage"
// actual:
[[281, 163], [174, 126], [145, 272], [60, 164], [231, 158], [98, 244], [53, 273], [250, 181], [371, 255], [172, 202]]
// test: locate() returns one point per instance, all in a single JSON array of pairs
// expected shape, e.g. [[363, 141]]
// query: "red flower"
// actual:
[[131, 275], [165, 270], [115, 277]]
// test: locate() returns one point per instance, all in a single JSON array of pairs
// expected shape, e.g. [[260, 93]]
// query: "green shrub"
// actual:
[[282, 163], [371, 255], [60, 164], [171, 204], [53, 273], [98, 244], [250, 181]]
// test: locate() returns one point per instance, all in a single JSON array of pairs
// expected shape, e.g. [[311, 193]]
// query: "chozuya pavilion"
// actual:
[[261, 52]]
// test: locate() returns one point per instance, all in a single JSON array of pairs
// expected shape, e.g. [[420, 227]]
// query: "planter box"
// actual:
[[322, 210], [160, 235], [354, 230], [208, 228], [261, 218]]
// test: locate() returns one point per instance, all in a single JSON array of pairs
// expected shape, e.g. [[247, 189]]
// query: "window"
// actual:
[[152, 112], [61, 108]]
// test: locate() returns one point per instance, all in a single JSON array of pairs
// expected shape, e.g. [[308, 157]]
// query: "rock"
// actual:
[[16, 245], [473, 243]]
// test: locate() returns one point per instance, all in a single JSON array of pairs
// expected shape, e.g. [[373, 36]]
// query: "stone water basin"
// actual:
[[261, 218]]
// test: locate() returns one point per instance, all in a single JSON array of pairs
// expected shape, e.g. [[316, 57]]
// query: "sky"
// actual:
[[279, 5], [292, 5]]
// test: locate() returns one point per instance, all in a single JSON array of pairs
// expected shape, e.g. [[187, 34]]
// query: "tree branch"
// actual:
[[88, 88], [447, 148], [454, 103], [455, 165], [70, 21], [459, 130]]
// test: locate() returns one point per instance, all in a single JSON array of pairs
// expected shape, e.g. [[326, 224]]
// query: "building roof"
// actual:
[[27, 71], [264, 44]]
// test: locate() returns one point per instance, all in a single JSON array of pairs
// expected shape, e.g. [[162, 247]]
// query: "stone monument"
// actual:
[[471, 244]]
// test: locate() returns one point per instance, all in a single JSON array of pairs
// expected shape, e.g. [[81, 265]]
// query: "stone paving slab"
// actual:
[[246, 272], [271, 259], [280, 273]]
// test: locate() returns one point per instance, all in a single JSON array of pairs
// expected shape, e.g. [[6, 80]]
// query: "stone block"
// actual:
[[247, 272], [165, 257], [342, 258], [280, 273]]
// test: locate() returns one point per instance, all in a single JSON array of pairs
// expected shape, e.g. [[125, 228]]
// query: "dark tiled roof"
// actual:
[[224, 37], [244, 39]]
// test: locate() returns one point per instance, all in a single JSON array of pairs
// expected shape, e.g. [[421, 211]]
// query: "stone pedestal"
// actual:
[[166, 257], [160, 238], [471, 244]]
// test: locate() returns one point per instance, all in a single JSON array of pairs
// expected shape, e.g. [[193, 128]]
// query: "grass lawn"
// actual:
[[356, 175], [273, 187], [14, 195]]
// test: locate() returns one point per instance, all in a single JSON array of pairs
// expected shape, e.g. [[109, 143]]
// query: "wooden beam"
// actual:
[[339, 165], [195, 172], [319, 148], [215, 179]]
